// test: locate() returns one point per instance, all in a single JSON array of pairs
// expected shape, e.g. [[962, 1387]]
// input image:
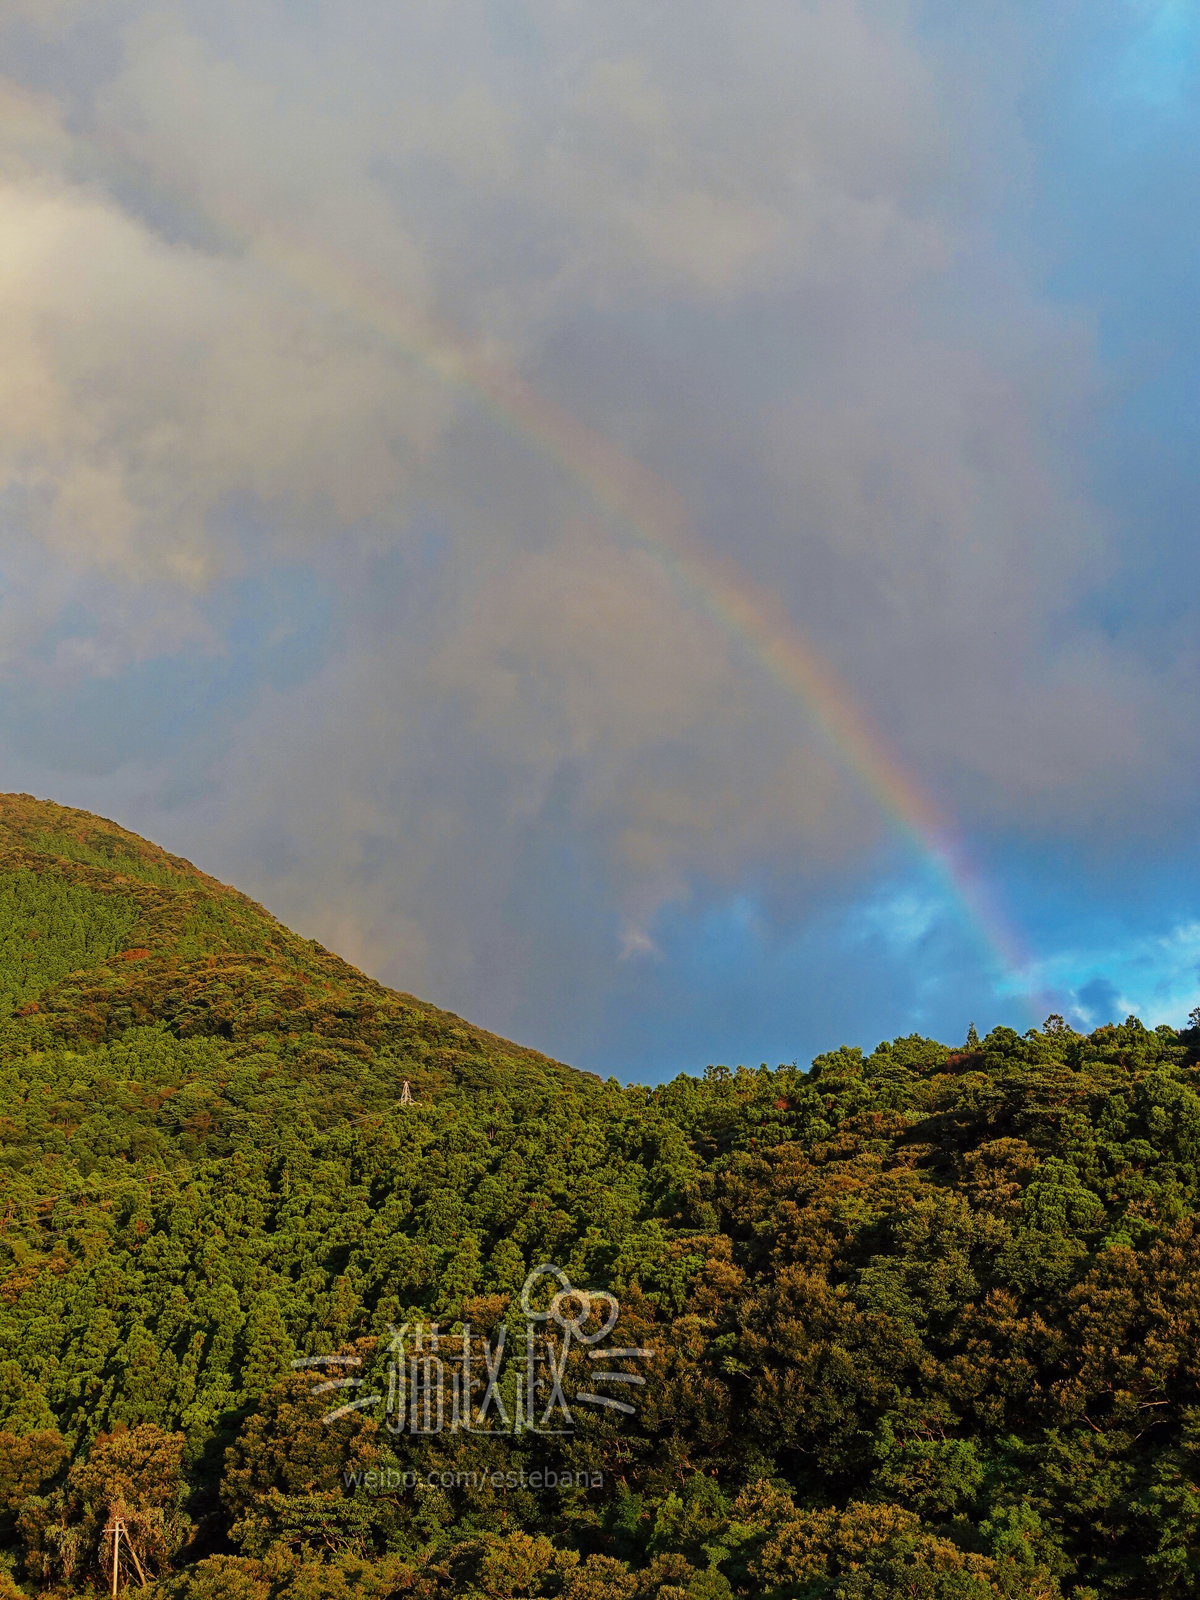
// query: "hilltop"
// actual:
[[102, 931], [923, 1321]]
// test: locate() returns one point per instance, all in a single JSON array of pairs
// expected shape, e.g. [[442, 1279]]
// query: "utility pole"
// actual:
[[119, 1529]]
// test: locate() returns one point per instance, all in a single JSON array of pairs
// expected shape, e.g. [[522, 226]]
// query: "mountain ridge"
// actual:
[[919, 1322], [189, 951]]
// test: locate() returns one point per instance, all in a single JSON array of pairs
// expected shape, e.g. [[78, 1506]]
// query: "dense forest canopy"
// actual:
[[923, 1322]]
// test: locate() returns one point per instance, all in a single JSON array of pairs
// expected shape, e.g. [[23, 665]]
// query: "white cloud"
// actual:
[[149, 384]]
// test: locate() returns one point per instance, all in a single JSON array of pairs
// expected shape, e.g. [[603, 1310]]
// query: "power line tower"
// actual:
[[406, 1095]]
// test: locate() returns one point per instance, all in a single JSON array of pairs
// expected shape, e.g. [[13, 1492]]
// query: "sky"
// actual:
[[669, 532]]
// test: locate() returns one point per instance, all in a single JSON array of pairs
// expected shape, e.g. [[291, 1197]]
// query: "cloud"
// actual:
[[251, 262], [1161, 60], [151, 385], [1155, 976]]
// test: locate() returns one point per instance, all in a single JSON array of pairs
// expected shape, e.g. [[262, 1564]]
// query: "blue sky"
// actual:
[[897, 299]]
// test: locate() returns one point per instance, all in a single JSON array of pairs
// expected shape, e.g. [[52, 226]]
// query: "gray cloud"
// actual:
[[760, 253]]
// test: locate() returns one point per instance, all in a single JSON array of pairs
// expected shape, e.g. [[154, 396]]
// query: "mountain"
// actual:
[[920, 1322], [101, 931]]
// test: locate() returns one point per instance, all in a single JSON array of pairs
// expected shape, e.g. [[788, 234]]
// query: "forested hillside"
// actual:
[[922, 1322]]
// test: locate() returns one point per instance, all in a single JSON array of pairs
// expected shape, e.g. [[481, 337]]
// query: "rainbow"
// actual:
[[653, 517], [647, 511]]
